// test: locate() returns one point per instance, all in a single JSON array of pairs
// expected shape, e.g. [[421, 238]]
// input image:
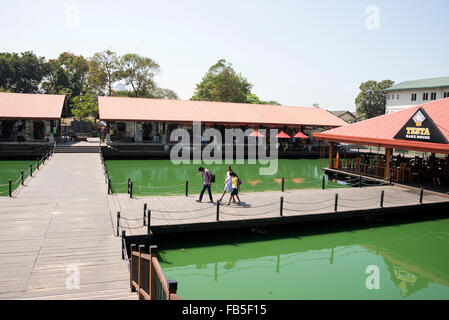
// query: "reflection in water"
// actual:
[[412, 258]]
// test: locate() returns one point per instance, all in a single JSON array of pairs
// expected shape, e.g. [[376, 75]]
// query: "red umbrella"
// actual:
[[256, 133], [300, 135], [283, 135]]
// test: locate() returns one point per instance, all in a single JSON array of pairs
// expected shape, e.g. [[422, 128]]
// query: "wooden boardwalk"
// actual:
[[170, 213], [57, 225]]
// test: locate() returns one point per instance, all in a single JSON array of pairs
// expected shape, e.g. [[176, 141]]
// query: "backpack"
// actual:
[[239, 182], [212, 177]]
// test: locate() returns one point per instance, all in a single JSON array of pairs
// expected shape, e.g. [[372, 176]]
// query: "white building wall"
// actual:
[[402, 99]]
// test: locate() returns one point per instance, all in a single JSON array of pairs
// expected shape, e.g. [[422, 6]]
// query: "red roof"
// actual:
[[380, 131], [30, 106], [300, 135], [140, 109], [256, 133], [283, 135]]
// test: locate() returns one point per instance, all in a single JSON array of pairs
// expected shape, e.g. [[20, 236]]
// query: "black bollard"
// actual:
[[218, 210], [187, 188], [123, 244], [129, 181], [31, 170], [336, 202], [22, 177], [131, 189], [421, 195], [282, 184], [118, 223], [149, 222], [144, 214], [282, 206], [323, 183], [382, 195], [10, 187], [109, 187]]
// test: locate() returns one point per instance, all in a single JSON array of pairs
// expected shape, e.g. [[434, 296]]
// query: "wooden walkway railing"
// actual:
[[147, 277]]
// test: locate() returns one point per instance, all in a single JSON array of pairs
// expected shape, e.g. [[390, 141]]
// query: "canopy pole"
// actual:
[[331, 154], [388, 153]]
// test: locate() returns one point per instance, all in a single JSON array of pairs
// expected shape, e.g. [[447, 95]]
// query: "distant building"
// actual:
[[416, 92], [347, 116]]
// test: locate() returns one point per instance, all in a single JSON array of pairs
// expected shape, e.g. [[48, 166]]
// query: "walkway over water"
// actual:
[[181, 213], [58, 222]]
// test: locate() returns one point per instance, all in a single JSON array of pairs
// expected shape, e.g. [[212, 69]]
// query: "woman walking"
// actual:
[[227, 183], [235, 188]]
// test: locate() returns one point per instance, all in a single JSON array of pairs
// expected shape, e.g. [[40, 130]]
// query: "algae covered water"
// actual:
[[411, 262], [159, 177], [11, 169]]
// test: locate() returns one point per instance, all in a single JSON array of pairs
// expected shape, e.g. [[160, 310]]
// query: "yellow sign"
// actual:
[[418, 131]]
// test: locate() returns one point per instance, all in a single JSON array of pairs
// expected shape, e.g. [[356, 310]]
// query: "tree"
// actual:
[[161, 93], [371, 100], [138, 72], [68, 75], [222, 83], [85, 106], [103, 72], [22, 73], [254, 99]]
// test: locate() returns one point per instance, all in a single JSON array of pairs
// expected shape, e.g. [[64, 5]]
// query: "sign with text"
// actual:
[[421, 127]]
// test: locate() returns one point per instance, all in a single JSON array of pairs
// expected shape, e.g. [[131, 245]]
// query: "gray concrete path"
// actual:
[[56, 226]]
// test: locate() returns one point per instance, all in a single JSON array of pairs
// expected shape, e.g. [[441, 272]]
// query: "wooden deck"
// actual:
[[55, 225], [181, 213]]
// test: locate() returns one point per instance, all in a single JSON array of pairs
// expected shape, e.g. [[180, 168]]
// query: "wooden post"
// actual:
[[149, 222], [187, 188], [22, 177], [153, 254], [118, 223], [336, 202], [172, 287], [144, 214], [382, 195], [421, 195], [218, 210], [331, 155], [132, 262], [283, 184], [141, 250], [282, 206], [10, 187], [388, 153]]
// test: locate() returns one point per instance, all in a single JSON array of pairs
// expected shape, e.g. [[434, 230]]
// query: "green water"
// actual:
[[412, 259], [10, 169], [158, 177]]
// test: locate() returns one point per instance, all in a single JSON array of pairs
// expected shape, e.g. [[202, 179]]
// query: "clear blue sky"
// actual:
[[295, 52]]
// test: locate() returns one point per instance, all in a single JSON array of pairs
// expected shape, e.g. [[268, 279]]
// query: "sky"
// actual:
[[295, 52]]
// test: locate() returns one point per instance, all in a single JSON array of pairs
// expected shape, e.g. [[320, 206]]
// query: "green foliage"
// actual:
[[371, 100], [103, 72], [138, 72], [222, 83], [23, 72], [85, 106], [68, 75]]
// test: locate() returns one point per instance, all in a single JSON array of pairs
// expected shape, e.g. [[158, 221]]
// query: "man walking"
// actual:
[[207, 177]]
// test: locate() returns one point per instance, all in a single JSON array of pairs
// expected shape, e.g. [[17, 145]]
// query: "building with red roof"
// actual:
[[423, 128], [29, 117]]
